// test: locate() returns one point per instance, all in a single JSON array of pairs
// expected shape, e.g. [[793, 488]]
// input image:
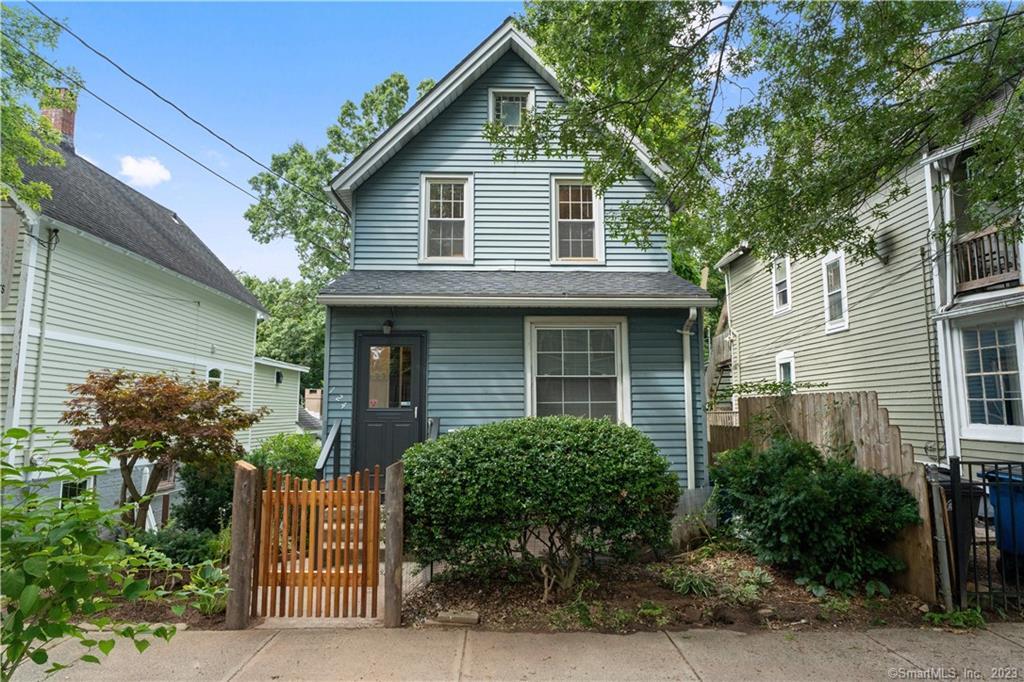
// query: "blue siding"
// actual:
[[475, 370], [512, 199]]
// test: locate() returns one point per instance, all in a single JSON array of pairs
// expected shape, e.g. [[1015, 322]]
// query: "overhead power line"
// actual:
[[181, 111]]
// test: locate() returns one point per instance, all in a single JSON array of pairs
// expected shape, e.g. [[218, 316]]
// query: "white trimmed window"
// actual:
[[577, 231], [446, 225], [578, 366], [72, 489], [833, 278], [992, 358], [509, 107], [785, 367], [780, 285], [214, 376]]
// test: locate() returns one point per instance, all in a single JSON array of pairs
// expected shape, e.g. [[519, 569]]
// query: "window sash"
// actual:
[[577, 371], [508, 107], [780, 282], [576, 224], [992, 375], [834, 285], [446, 218]]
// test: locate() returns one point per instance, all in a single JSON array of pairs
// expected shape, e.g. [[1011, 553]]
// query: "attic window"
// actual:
[[278, 377], [508, 106]]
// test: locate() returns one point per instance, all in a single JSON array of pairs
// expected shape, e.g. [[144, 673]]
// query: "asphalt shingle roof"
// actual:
[[502, 283], [309, 421], [93, 201]]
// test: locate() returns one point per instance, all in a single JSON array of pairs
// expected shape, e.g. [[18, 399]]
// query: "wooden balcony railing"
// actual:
[[984, 259]]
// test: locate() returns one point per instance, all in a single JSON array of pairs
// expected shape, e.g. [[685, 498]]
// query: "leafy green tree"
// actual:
[[294, 332], [59, 572], [299, 208], [778, 123], [288, 453], [28, 136]]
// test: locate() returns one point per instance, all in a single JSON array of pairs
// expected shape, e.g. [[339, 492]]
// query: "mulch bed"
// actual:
[[638, 598], [160, 612]]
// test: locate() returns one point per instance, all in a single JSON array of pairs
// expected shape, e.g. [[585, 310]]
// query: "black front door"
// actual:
[[389, 398]]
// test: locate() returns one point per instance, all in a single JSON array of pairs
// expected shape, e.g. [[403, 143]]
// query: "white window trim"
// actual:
[[491, 92], [776, 309], [991, 432], [782, 358], [211, 368], [468, 213], [598, 258], [90, 484], [842, 324], [621, 326]]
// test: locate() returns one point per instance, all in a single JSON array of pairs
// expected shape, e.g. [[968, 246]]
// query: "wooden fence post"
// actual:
[[394, 543], [243, 531]]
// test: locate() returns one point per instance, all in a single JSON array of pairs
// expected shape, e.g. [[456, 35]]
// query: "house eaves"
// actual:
[[506, 37]]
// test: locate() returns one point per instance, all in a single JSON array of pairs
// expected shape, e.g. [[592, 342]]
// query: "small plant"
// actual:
[[876, 587], [649, 609], [742, 594], [207, 590], [683, 580], [835, 604], [960, 619], [758, 577]]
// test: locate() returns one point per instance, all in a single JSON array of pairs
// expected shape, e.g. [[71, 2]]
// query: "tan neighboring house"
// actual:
[[937, 329]]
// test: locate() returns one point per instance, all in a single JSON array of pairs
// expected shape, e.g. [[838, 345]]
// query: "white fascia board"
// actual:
[[505, 38], [733, 255], [515, 301], [270, 362]]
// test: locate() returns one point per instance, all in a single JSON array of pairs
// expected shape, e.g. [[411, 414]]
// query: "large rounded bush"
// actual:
[[547, 492], [823, 518], [288, 453]]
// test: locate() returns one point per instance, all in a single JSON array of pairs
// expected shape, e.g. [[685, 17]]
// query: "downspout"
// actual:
[[52, 240], [686, 331]]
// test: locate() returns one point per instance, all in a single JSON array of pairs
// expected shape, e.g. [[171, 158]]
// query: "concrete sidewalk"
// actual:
[[452, 654]]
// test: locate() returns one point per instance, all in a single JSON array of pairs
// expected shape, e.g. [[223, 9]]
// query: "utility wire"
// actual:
[[181, 111], [167, 142]]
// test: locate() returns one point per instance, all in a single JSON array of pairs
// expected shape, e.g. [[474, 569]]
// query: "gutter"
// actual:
[[686, 331], [52, 239], [470, 301]]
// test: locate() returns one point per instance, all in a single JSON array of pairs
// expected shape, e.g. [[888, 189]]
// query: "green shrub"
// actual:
[[186, 546], [573, 486], [288, 453], [206, 498], [823, 518]]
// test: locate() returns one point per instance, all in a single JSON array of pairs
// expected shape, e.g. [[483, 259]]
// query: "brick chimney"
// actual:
[[62, 114]]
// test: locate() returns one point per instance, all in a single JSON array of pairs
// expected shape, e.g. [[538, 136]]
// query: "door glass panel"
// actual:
[[390, 377]]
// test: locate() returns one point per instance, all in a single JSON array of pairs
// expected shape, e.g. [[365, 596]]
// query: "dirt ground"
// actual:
[[722, 589], [160, 612]]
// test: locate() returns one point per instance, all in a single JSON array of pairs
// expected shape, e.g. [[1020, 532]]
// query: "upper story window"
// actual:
[[509, 107], [578, 229], [278, 377], [833, 274], [214, 376], [992, 374], [780, 284], [446, 230]]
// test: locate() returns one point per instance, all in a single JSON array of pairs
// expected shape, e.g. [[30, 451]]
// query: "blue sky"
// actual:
[[261, 74]]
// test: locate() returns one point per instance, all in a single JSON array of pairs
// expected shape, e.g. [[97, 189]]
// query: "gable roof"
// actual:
[[99, 204], [506, 37]]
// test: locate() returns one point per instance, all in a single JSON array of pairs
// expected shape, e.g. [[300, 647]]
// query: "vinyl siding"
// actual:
[[476, 370], [281, 399], [885, 348], [512, 199], [1002, 451], [109, 310]]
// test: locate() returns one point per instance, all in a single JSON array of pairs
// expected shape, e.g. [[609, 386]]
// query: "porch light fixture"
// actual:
[[387, 326]]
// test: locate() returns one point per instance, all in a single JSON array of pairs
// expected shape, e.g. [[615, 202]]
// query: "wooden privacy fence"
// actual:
[[317, 551], [848, 423]]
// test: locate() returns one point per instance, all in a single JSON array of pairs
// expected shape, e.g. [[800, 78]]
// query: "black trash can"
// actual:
[[962, 512]]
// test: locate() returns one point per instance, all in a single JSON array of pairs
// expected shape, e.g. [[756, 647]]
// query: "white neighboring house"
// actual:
[[102, 277]]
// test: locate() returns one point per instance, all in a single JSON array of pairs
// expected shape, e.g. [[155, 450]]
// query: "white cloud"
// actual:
[[144, 172]]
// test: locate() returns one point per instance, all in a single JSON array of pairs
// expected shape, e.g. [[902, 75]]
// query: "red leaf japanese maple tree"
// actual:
[[187, 421]]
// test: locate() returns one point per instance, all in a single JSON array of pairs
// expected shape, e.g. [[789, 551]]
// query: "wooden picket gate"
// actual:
[[317, 548]]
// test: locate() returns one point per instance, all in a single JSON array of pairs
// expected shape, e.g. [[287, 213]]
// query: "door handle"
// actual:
[[416, 412]]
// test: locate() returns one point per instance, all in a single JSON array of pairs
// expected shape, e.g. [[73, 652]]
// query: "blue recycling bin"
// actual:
[[1006, 493]]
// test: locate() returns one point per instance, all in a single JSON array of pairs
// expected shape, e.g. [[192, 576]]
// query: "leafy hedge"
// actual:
[[206, 497], [288, 453], [821, 517], [572, 486]]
